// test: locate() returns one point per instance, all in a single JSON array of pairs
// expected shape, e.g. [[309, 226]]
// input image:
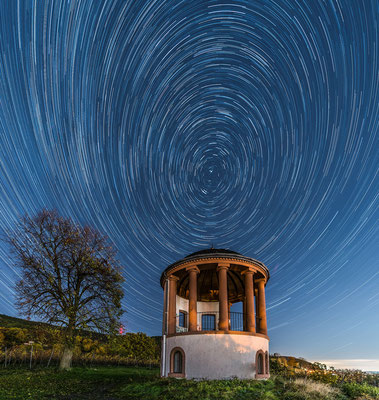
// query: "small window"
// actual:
[[182, 319], [208, 322], [260, 364], [178, 362], [267, 364]]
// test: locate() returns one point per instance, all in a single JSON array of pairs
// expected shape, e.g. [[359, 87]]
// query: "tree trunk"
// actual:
[[65, 362], [68, 349]]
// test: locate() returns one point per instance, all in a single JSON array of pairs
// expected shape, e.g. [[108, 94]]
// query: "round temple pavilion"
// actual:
[[202, 338]]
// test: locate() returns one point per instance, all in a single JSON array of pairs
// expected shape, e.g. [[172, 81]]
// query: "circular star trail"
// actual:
[[174, 126]]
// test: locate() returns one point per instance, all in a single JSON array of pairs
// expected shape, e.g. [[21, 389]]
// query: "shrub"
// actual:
[[13, 336], [355, 390], [137, 346]]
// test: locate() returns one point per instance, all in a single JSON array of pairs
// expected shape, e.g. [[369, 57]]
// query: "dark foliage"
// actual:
[[70, 274]]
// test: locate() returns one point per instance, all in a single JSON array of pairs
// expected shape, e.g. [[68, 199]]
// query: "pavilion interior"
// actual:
[[208, 283]]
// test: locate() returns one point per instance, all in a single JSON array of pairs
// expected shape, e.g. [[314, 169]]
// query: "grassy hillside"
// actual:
[[91, 348], [35, 328], [118, 383], [294, 378], [12, 322]]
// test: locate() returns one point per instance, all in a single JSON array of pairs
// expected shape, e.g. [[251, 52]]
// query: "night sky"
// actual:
[[175, 126]]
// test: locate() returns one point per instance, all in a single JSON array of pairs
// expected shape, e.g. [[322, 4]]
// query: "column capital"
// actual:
[[172, 278], [221, 266], [248, 270], [193, 268], [261, 280]]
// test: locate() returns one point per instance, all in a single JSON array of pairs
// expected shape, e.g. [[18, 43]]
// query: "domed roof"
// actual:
[[212, 251]]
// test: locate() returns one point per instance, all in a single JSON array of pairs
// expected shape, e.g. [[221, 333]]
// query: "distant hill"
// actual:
[[294, 362], [290, 362], [13, 322], [6, 321]]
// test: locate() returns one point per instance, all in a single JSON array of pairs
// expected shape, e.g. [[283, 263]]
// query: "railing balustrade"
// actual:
[[209, 320]]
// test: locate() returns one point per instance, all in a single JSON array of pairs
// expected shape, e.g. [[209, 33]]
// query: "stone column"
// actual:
[[222, 270], [257, 325], [244, 312], [192, 311], [172, 304], [229, 317], [249, 293], [262, 307]]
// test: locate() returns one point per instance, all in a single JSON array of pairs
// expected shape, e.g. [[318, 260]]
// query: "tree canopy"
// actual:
[[69, 274]]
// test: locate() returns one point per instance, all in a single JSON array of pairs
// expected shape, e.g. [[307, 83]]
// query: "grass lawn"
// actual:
[[78, 383], [116, 383]]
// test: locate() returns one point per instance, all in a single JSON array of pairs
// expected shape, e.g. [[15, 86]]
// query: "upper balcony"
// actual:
[[201, 289], [209, 321]]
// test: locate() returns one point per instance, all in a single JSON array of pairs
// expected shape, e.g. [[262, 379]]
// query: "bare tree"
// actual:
[[69, 276]]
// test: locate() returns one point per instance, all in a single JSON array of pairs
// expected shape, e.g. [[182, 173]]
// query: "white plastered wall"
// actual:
[[182, 304], [218, 356]]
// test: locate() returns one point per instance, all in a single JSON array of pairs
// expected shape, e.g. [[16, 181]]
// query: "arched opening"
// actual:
[[260, 368], [177, 363], [267, 364], [260, 364]]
